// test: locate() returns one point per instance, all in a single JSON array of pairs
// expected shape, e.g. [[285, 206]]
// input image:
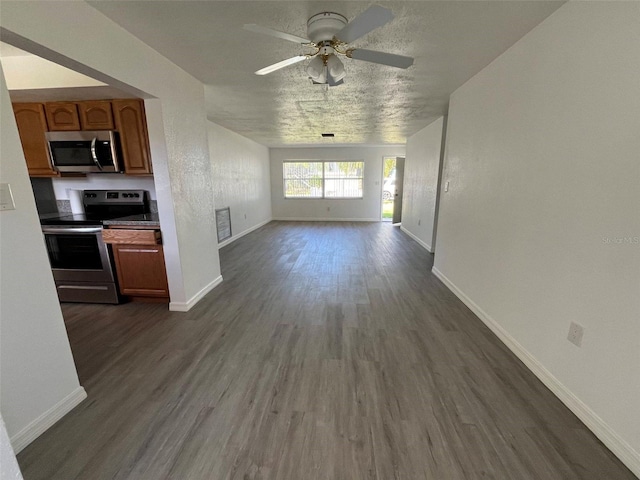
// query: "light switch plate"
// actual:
[[575, 334], [6, 197]]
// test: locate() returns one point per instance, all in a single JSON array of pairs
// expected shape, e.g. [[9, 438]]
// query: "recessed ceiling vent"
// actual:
[[328, 135]]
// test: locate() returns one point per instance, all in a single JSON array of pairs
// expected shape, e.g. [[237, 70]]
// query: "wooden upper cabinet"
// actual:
[[126, 116], [62, 116], [96, 115], [32, 125], [131, 123]]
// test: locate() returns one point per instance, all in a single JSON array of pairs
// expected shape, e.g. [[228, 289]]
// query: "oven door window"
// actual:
[[74, 252]]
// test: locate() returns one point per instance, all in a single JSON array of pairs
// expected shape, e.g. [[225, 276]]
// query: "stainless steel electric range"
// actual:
[[80, 260]]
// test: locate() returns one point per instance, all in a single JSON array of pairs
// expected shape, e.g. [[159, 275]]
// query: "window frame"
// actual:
[[323, 179]]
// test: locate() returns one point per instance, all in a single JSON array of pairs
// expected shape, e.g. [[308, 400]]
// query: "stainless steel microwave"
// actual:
[[85, 152]]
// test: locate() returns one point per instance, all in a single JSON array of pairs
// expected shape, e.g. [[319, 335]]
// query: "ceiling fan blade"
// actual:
[[373, 17], [383, 58], [282, 64], [252, 27]]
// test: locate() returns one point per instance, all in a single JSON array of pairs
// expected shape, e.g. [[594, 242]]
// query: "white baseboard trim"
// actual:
[[188, 305], [327, 219], [619, 446], [242, 234], [420, 242], [45, 421]]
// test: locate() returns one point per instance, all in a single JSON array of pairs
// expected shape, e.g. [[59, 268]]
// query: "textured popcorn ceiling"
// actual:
[[450, 40]]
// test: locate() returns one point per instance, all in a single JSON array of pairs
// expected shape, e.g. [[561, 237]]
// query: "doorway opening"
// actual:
[[82, 264], [392, 177], [388, 187]]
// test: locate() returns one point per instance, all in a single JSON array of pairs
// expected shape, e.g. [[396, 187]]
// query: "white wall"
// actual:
[[368, 208], [422, 165], [543, 158], [9, 469], [66, 32], [241, 179], [30, 72], [37, 373], [103, 181]]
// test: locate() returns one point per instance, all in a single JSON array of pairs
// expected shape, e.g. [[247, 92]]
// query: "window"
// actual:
[[322, 179], [302, 179]]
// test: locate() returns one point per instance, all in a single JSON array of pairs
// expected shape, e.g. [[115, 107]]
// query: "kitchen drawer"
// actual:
[[131, 237]]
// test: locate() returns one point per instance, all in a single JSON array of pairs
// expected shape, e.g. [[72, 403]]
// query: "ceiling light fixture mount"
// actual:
[[329, 34]]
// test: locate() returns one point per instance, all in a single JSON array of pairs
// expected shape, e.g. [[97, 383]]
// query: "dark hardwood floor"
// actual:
[[329, 352]]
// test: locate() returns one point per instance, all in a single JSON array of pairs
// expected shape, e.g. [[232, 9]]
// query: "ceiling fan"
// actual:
[[329, 36]]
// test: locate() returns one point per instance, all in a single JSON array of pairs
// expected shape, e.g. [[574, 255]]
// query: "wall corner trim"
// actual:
[[422, 243], [242, 234], [600, 429], [188, 305], [45, 421]]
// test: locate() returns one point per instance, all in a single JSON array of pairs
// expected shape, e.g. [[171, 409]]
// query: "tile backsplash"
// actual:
[[44, 195], [64, 206], [54, 195], [102, 181]]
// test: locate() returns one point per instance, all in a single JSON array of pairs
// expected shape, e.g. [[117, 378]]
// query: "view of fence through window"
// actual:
[[322, 179]]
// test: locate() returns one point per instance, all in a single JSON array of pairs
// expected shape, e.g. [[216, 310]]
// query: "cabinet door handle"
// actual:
[[140, 250], [80, 287], [64, 230]]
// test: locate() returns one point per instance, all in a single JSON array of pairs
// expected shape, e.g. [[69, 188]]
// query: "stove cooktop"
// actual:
[[101, 205], [77, 219]]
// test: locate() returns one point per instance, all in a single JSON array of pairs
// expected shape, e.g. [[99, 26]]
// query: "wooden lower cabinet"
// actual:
[[140, 268]]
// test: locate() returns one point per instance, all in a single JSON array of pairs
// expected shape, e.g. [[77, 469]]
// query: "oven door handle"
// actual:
[[93, 153], [63, 230]]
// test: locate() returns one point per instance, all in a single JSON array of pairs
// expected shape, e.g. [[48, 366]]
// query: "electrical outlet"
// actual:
[[575, 334]]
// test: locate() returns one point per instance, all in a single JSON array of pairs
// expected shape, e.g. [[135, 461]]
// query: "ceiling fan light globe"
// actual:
[[322, 78], [336, 68], [315, 69]]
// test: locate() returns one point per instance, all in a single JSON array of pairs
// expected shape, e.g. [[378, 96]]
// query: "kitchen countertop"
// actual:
[[46, 216], [143, 219]]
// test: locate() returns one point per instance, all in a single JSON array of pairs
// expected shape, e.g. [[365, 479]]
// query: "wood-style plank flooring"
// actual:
[[329, 352]]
